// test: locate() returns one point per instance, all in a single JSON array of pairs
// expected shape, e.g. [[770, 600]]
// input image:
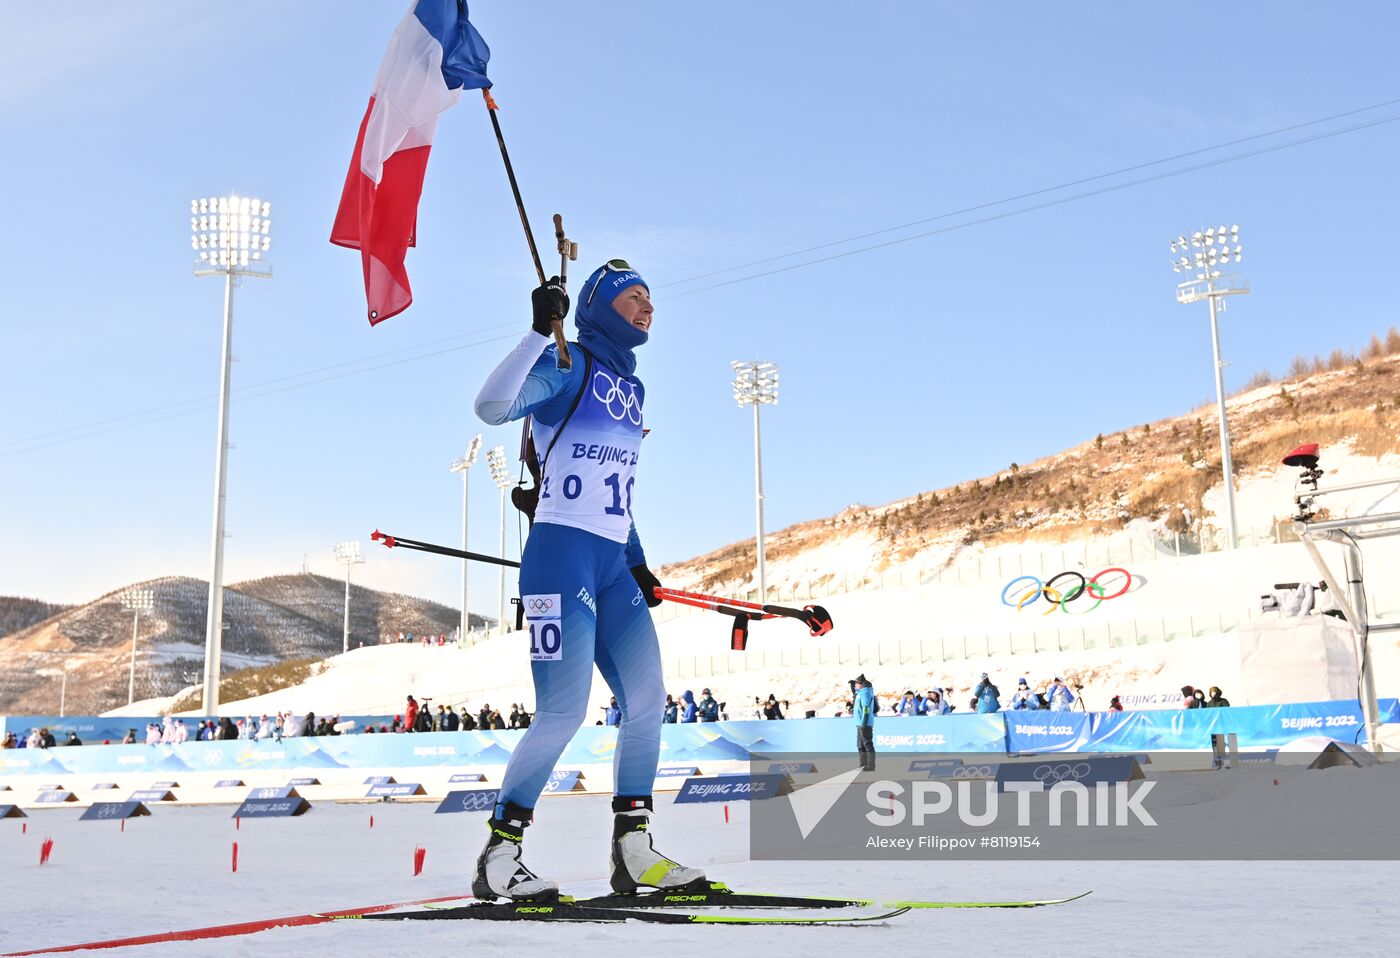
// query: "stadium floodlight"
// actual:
[[63, 690], [756, 384], [347, 554], [500, 474], [1206, 256], [137, 601], [230, 237], [464, 466]]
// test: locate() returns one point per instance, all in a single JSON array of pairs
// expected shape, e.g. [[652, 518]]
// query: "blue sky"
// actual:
[[689, 139]]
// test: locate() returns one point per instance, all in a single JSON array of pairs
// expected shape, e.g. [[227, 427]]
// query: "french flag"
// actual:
[[433, 56]]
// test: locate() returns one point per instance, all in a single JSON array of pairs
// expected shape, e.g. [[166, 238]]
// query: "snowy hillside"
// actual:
[[266, 621]]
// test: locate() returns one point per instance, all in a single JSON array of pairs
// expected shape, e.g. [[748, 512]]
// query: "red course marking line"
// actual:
[[229, 931]]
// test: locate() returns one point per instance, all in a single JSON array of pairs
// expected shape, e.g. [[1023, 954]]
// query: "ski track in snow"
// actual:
[[172, 871]]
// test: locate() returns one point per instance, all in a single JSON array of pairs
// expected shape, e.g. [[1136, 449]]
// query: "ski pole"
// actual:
[[391, 542], [565, 360], [817, 619]]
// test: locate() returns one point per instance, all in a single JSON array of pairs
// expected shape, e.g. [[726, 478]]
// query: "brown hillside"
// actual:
[[1157, 471]]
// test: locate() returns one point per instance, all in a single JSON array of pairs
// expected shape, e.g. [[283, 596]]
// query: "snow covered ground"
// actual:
[[172, 871]]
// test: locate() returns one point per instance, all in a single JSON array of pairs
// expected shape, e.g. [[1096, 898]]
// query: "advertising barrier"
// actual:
[[112, 811], [479, 800], [705, 744], [742, 787]]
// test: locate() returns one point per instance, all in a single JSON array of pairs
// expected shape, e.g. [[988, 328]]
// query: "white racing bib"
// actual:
[[589, 475]]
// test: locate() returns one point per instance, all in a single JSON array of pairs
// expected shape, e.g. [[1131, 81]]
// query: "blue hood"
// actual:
[[601, 330]]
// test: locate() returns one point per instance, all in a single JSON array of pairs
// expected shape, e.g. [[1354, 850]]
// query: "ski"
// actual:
[[577, 912], [720, 895]]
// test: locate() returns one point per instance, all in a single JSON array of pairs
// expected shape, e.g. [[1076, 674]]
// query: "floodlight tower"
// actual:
[[1201, 257], [137, 601], [756, 384], [230, 235], [500, 474], [348, 554], [464, 466]]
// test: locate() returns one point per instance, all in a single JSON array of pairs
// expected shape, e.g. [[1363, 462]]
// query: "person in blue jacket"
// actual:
[[1059, 696], [988, 695], [689, 711], [864, 711], [1023, 698], [671, 713], [584, 581], [612, 715]]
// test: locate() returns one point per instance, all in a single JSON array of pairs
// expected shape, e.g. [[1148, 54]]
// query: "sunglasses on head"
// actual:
[[611, 266]]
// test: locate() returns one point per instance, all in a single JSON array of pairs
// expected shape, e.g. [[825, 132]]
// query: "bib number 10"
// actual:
[[572, 487], [546, 626], [546, 639]]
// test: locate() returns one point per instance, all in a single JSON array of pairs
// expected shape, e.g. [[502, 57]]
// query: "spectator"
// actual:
[[10, 741], [935, 703], [266, 729], [46, 739], [498, 721], [986, 697], [771, 710], [182, 732], [291, 725], [612, 715], [440, 720], [397, 725], [228, 732], [152, 733], [34, 739], [1216, 700], [1115, 704], [757, 708], [468, 720], [451, 722], [73, 739], [279, 726], [525, 716], [1061, 698], [1023, 699], [167, 731], [483, 719], [1188, 698], [709, 708], [369, 729], [908, 708], [672, 711], [1200, 697], [514, 721], [411, 715], [130, 738], [424, 722], [864, 713], [690, 712]]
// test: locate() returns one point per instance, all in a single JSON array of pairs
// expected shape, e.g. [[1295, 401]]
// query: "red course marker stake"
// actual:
[[45, 850], [235, 857], [419, 854]]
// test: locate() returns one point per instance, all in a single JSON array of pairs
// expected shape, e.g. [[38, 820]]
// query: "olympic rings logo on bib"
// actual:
[[538, 604], [620, 400], [1065, 587]]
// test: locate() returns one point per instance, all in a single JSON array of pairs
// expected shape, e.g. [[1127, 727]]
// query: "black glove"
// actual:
[[550, 303], [647, 582]]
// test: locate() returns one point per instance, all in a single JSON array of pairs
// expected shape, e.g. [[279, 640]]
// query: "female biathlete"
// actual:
[[584, 579]]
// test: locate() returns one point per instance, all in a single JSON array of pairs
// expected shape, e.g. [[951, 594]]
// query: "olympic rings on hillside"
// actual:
[[1064, 587]]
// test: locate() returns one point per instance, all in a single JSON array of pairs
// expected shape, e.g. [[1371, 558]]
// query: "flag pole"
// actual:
[[565, 360]]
